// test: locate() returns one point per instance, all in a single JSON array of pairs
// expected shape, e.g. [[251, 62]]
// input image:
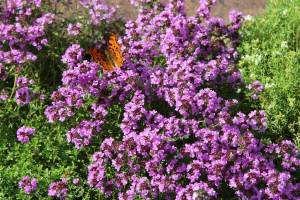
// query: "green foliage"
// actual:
[[270, 53], [47, 156]]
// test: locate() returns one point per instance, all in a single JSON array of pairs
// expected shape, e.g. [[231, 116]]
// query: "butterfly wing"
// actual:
[[114, 50], [99, 57]]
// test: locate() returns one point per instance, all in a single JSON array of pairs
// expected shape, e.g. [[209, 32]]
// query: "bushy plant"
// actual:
[[270, 54], [176, 121], [34, 35]]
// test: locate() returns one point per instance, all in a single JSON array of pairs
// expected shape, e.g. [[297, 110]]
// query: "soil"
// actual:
[[249, 7]]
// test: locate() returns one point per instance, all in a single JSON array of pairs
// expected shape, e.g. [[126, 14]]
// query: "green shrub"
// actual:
[[270, 53]]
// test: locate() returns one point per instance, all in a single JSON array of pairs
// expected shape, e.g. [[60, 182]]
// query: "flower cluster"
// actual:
[[28, 185], [74, 29], [198, 140], [83, 133], [157, 158], [20, 30], [23, 92], [58, 189], [256, 88], [24, 133], [257, 120], [79, 81], [99, 10], [186, 44], [73, 55]]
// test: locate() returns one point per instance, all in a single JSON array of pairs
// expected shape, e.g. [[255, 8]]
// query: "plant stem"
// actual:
[[14, 87]]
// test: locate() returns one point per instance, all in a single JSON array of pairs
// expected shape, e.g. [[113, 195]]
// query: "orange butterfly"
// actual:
[[110, 57]]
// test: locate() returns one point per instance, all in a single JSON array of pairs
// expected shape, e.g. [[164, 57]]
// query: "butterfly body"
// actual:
[[110, 56]]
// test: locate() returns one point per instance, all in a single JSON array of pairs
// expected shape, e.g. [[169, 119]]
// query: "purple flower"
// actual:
[[28, 185], [23, 96], [256, 88], [3, 95], [76, 181], [45, 19], [74, 29], [81, 135], [257, 120], [73, 55], [99, 10], [25, 133], [58, 112], [58, 189], [23, 82], [236, 18]]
